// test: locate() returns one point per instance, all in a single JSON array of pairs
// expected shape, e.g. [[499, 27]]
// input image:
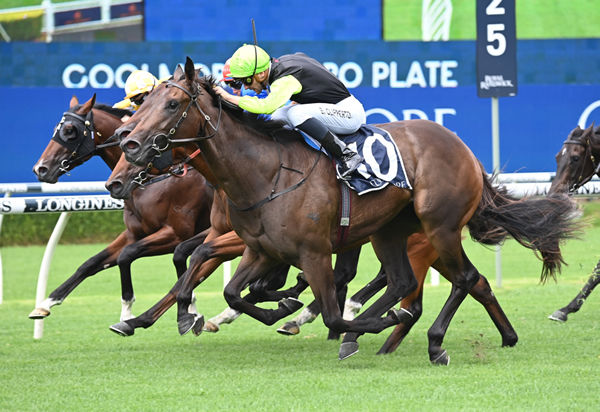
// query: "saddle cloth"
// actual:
[[382, 164]]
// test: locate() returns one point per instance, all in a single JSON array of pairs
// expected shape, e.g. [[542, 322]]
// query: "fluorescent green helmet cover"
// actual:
[[243, 61]]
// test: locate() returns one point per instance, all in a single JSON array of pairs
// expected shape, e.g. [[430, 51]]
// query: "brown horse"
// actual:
[[577, 162], [282, 217], [157, 219], [422, 255]]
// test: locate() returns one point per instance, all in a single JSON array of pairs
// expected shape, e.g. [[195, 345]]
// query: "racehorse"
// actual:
[[126, 176], [299, 223], [157, 218], [577, 162]]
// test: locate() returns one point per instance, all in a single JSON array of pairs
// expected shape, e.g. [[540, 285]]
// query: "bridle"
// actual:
[[582, 180], [178, 171], [160, 147], [82, 146]]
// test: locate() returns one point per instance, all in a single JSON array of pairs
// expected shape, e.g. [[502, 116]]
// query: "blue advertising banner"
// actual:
[[394, 80]]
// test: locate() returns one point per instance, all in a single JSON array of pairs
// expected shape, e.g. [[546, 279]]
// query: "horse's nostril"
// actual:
[[131, 145], [40, 170], [124, 134]]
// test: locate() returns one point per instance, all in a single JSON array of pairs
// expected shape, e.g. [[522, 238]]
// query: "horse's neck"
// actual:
[[199, 163], [105, 125], [242, 161]]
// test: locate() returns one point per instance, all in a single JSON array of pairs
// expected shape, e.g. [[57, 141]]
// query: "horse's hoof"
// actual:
[[198, 325], [210, 327], [558, 316], [347, 349], [441, 359], [291, 304], [39, 313], [400, 315], [510, 341], [123, 329], [185, 323], [289, 328]]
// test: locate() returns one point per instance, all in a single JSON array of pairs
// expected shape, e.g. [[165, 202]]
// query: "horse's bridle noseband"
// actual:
[[581, 180], [160, 147]]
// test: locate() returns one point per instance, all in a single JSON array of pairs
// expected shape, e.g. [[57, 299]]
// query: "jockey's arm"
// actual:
[[280, 92]]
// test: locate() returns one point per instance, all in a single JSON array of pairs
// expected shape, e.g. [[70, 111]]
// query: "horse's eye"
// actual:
[[574, 159], [68, 132], [173, 104]]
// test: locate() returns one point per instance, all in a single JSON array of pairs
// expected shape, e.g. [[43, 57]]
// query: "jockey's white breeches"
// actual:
[[344, 117]]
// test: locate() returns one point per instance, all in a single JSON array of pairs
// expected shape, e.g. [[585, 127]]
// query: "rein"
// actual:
[[581, 180], [273, 194]]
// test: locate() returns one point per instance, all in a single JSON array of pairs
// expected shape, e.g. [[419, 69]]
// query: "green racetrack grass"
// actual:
[[80, 365]]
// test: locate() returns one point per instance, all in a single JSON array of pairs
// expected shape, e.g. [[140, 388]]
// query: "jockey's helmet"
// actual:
[[139, 82], [227, 72], [248, 60]]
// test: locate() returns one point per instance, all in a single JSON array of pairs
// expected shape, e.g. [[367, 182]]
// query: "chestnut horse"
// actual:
[[286, 218], [577, 162], [157, 219]]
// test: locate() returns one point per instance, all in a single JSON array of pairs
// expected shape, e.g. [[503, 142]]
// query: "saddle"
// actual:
[[382, 164]]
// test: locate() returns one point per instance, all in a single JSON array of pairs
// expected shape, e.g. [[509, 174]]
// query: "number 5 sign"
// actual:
[[496, 48]]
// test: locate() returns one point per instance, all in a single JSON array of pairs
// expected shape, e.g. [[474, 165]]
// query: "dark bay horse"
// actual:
[[577, 161], [157, 218], [422, 255], [284, 217]]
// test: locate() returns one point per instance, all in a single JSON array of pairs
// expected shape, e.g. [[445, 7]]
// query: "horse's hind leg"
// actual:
[[464, 275], [561, 314], [482, 292]]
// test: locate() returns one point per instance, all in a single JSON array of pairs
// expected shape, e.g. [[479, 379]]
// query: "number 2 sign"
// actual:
[[496, 48]]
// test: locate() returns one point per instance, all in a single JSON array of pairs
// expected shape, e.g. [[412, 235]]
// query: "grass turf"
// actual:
[[79, 364]]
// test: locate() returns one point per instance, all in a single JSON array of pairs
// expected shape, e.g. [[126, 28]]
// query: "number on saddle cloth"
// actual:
[[382, 163]]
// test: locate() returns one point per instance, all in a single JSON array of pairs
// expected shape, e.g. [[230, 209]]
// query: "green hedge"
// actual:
[[35, 229], [23, 29]]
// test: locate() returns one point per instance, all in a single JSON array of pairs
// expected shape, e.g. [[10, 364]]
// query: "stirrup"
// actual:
[[350, 164]]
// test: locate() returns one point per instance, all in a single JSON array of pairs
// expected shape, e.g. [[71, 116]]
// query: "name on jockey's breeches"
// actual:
[[328, 111]]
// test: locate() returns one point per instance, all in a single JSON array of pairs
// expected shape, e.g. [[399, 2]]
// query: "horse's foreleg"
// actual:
[[253, 266], [148, 318], [573, 306], [158, 243], [185, 249], [103, 260], [220, 249]]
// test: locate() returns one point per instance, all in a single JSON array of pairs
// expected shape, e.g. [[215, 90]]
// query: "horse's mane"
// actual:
[[113, 110], [268, 127]]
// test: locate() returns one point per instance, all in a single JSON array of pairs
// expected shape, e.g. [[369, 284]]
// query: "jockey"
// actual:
[[138, 85], [324, 106]]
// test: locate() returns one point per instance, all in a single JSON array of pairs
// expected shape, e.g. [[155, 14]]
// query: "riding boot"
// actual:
[[350, 159]]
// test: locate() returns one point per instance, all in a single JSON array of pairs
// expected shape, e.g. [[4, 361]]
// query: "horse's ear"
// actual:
[[178, 72], [190, 71], [589, 130], [577, 131], [74, 102], [87, 106]]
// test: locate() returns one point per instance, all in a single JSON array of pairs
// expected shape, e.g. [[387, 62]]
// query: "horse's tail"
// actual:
[[540, 224]]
